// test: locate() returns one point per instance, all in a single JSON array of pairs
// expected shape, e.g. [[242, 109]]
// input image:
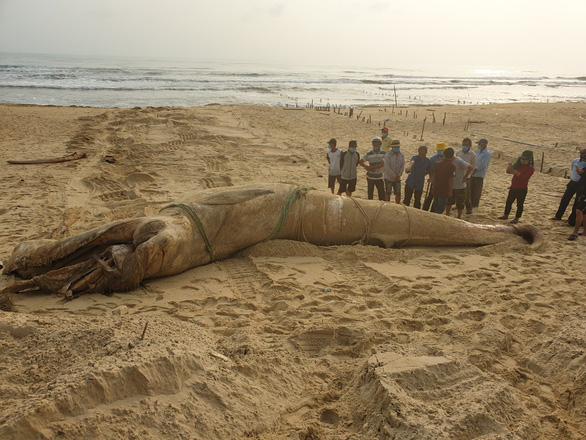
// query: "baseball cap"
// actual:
[[385, 129]]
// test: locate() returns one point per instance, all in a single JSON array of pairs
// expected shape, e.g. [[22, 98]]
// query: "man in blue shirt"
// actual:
[[571, 187], [419, 166], [477, 178]]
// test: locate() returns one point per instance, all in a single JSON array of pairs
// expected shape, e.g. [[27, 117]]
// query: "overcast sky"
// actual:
[[546, 36]]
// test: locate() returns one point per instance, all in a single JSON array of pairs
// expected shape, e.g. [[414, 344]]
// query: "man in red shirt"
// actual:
[[522, 171], [443, 181]]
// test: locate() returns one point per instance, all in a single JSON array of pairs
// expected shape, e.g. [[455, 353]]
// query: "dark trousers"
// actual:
[[439, 205], [476, 190], [380, 187], [468, 200], [518, 195], [409, 193], [571, 189], [428, 199]]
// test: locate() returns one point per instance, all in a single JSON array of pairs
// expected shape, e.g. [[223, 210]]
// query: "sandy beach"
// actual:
[[287, 340]]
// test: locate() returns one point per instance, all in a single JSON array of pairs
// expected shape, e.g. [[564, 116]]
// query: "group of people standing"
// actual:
[[453, 178]]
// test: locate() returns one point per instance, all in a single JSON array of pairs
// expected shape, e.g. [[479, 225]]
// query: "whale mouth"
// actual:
[[100, 272], [102, 260], [531, 235]]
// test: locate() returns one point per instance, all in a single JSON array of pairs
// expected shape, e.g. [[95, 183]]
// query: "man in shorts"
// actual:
[[348, 163], [333, 157], [394, 165], [374, 169], [463, 171]]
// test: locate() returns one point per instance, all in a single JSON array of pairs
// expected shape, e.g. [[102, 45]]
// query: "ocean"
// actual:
[[117, 82]]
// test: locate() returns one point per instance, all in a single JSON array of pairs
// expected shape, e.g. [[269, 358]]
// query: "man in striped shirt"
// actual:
[[374, 169]]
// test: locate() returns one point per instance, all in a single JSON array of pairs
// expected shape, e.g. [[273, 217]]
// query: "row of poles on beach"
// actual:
[[349, 112]]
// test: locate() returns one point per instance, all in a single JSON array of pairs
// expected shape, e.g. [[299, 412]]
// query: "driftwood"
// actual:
[[73, 156]]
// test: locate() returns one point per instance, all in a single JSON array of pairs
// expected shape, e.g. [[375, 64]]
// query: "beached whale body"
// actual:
[[216, 223]]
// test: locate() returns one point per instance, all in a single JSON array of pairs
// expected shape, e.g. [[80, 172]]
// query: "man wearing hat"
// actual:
[[348, 163], [477, 178], [394, 165], [437, 157], [333, 157], [374, 169], [384, 134]]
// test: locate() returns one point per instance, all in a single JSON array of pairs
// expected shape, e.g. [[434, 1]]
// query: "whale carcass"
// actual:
[[216, 223]]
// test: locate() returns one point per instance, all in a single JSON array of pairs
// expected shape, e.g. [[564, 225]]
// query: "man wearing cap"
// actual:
[[418, 167], [467, 156], [348, 163], [437, 157], [394, 165], [333, 157], [384, 134], [374, 169], [477, 178]]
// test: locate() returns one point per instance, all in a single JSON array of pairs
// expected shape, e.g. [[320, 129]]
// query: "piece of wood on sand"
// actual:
[[73, 156]]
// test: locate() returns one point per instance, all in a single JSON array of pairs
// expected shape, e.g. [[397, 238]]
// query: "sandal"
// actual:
[[555, 219], [572, 237], [503, 217], [514, 221]]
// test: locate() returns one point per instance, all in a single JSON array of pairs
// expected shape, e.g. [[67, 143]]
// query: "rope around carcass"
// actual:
[[409, 225], [193, 215], [291, 197], [366, 237]]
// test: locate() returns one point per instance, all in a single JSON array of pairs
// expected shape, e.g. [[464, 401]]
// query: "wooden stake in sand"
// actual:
[[423, 128], [144, 330], [395, 90], [73, 156]]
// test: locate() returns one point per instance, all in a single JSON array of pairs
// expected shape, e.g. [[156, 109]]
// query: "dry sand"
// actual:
[[413, 343]]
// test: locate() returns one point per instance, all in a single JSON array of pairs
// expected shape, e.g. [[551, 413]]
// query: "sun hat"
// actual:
[[376, 139], [441, 146]]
